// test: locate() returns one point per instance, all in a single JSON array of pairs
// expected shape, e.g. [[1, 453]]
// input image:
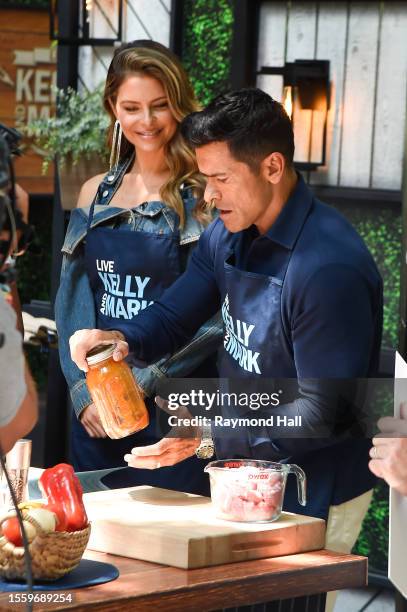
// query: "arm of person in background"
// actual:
[[18, 396], [389, 451]]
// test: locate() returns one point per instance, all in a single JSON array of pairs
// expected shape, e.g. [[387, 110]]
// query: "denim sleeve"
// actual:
[[74, 310], [205, 342]]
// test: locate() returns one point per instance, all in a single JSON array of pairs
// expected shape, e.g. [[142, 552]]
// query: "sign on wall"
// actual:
[[27, 78]]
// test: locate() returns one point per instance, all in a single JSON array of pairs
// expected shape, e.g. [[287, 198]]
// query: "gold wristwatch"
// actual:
[[206, 448]]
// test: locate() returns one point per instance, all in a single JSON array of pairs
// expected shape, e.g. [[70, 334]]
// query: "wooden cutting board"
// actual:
[[181, 529]]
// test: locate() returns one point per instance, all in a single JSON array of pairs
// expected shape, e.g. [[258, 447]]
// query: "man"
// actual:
[[298, 282]]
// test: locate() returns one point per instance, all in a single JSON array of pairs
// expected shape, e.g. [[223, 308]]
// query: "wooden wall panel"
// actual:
[[391, 98], [366, 44], [272, 43], [301, 37], [358, 115], [148, 19], [331, 45]]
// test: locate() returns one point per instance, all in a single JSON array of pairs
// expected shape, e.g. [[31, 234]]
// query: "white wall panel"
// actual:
[[301, 45], [331, 45], [301, 31], [148, 19], [141, 19], [391, 98], [272, 39], [357, 128]]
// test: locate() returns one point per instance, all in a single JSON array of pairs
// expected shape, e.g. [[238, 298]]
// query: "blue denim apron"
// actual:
[[251, 304], [128, 271]]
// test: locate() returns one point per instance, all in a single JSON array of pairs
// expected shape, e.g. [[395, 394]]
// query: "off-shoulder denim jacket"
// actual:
[[74, 306]]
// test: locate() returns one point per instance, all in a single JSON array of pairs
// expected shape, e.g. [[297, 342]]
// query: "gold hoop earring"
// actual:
[[116, 146]]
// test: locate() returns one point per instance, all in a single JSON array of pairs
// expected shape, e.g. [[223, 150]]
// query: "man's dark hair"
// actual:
[[249, 121]]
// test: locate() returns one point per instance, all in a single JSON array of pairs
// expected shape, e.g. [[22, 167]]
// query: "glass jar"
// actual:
[[115, 393]]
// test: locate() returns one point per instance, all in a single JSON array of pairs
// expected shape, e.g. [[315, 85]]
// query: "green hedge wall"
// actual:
[[207, 44]]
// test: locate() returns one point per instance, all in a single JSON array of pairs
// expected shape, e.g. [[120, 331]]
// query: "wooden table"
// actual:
[[146, 586]]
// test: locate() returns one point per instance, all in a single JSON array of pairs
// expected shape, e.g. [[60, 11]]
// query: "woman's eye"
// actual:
[[161, 105], [131, 109]]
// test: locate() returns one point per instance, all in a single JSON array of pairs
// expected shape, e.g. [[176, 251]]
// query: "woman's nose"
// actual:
[[147, 116]]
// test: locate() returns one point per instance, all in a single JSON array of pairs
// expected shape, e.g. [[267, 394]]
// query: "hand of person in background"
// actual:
[[389, 451], [90, 419], [84, 340], [179, 444]]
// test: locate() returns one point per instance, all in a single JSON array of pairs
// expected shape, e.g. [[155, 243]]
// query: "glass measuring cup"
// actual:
[[250, 490]]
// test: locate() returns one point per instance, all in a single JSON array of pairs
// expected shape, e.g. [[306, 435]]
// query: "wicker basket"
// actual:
[[53, 554]]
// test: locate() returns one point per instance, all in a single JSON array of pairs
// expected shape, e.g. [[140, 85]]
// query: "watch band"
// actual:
[[206, 448]]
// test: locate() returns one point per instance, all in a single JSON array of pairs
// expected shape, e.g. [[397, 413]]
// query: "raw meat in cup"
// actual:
[[250, 490]]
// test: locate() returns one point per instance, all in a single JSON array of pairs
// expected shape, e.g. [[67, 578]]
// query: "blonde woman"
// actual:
[[127, 241]]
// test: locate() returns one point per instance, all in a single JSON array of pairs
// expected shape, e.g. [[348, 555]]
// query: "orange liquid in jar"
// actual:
[[117, 397]]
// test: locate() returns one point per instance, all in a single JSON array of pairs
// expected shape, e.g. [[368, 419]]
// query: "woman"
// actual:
[[128, 240]]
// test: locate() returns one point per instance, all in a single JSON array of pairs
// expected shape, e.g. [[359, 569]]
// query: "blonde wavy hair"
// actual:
[[155, 60]]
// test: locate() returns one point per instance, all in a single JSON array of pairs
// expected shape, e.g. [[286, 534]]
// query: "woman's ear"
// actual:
[[113, 107], [273, 166]]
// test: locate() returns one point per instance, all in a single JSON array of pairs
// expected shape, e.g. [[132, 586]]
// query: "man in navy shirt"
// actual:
[[300, 295]]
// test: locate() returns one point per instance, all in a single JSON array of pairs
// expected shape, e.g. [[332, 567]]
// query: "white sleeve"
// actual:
[[12, 382]]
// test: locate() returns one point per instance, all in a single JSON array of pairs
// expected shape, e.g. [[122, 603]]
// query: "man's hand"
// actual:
[[86, 339], [389, 452], [90, 419], [169, 450]]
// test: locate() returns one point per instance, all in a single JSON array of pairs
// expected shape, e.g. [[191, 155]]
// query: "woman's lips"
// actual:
[[149, 135]]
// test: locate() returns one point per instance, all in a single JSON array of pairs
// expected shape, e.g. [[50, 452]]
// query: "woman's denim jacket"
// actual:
[[74, 306]]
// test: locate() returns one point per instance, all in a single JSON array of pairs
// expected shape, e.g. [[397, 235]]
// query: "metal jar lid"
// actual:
[[100, 353]]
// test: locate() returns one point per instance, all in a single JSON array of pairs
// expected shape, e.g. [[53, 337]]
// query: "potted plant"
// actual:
[[76, 138]]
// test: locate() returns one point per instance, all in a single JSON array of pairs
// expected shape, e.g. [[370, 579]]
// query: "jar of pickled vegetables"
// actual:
[[115, 393]]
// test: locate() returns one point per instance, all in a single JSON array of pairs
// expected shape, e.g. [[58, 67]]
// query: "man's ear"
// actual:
[[273, 166]]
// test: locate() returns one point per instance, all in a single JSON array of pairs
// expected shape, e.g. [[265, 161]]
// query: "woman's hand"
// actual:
[[84, 340], [90, 419]]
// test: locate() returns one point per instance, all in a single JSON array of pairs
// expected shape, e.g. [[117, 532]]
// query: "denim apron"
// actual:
[[251, 305], [128, 271]]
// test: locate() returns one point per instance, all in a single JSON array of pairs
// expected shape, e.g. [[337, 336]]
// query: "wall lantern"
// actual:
[[306, 93], [96, 22]]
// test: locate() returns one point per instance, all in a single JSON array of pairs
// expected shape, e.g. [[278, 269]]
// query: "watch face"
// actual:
[[205, 451]]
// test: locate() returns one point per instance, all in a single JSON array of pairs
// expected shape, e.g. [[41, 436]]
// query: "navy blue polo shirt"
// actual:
[[330, 327]]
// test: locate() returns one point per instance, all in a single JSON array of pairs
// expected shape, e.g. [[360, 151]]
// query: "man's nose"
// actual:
[[211, 193]]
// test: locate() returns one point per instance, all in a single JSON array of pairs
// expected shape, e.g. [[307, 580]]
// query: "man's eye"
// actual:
[[222, 180]]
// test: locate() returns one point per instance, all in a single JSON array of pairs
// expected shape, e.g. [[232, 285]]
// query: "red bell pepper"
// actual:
[[64, 493]]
